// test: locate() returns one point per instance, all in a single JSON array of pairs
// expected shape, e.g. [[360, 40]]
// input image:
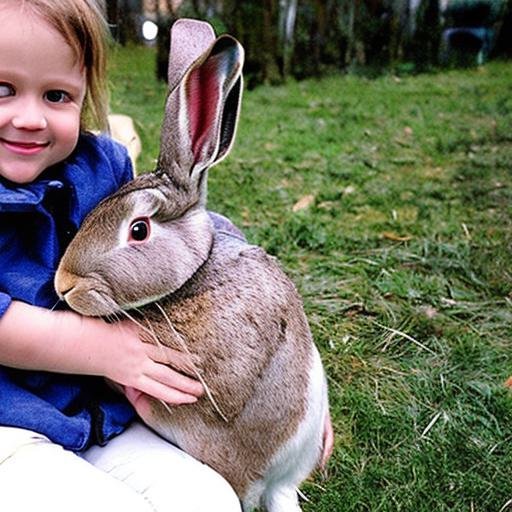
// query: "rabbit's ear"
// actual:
[[190, 39], [201, 111]]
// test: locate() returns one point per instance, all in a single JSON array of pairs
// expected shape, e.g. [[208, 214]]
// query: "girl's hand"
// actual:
[[328, 441], [145, 369], [140, 401], [34, 338]]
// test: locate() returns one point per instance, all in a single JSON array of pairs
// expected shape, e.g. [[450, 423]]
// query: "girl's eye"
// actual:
[[57, 96], [140, 230], [6, 90]]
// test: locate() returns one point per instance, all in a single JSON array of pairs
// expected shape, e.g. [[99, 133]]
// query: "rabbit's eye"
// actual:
[[139, 230]]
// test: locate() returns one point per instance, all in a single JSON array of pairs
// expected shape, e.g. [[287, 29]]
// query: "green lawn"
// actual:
[[401, 245]]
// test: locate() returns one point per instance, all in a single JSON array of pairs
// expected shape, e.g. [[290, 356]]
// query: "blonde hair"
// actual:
[[84, 28]]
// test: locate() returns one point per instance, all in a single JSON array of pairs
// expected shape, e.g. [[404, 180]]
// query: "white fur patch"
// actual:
[[298, 457]]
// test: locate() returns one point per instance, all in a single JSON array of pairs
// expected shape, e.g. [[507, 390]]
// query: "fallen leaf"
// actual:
[[327, 205], [508, 382], [303, 203], [389, 235]]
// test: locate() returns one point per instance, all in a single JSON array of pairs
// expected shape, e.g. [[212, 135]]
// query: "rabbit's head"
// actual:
[[151, 236]]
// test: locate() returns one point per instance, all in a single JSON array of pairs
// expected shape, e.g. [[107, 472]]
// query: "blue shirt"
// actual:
[[37, 220]]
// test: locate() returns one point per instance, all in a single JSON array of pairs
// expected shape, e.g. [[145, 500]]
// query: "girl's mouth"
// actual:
[[24, 148]]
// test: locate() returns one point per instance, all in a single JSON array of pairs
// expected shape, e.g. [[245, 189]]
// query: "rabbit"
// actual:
[[151, 250]]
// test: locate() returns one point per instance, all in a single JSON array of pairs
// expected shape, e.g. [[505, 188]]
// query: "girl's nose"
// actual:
[[30, 117]]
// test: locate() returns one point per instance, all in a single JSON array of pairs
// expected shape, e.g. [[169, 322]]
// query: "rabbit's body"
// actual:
[[242, 320], [152, 248]]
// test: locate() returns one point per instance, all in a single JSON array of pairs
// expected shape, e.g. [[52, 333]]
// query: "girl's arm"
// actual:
[[34, 338]]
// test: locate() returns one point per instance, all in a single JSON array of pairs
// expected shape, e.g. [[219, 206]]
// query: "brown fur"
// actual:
[[255, 371]]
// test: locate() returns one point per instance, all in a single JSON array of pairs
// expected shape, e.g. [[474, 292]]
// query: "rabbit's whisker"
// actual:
[[111, 317], [116, 310], [179, 337], [160, 345], [57, 303], [116, 317], [109, 302], [149, 329], [156, 340], [136, 322], [166, 406]]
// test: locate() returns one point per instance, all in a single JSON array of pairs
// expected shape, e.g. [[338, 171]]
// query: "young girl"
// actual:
[[67, 441]]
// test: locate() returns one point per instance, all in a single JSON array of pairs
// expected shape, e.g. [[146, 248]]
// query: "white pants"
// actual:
[[135, 472]]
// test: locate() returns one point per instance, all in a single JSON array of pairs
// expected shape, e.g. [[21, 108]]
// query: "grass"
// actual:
[[401, 245]]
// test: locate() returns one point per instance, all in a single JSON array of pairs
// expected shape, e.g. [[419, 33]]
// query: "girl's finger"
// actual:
[[328, 441], [173, 379], [163, 392], [179, 360]]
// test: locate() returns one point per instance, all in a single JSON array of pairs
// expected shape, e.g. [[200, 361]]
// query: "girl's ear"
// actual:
[[202, 108]]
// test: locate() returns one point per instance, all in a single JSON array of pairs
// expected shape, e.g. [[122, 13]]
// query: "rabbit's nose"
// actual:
[[64, 282]]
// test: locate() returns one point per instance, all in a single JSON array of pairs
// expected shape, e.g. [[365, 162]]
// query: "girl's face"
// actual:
[[42, 88]]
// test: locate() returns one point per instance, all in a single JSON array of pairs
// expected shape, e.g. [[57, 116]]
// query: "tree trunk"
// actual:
[[351, 39], [164, 21], [128, 11], [269, 42], [112, 14], [427, 38], [287, 17], [319, 32]]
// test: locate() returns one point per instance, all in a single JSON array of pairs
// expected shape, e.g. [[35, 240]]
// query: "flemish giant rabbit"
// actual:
[[151, 248]]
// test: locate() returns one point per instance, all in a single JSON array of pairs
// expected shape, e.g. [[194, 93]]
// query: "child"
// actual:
[[68, 442]]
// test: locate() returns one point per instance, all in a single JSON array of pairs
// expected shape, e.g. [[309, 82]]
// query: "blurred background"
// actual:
[[304, 38]]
